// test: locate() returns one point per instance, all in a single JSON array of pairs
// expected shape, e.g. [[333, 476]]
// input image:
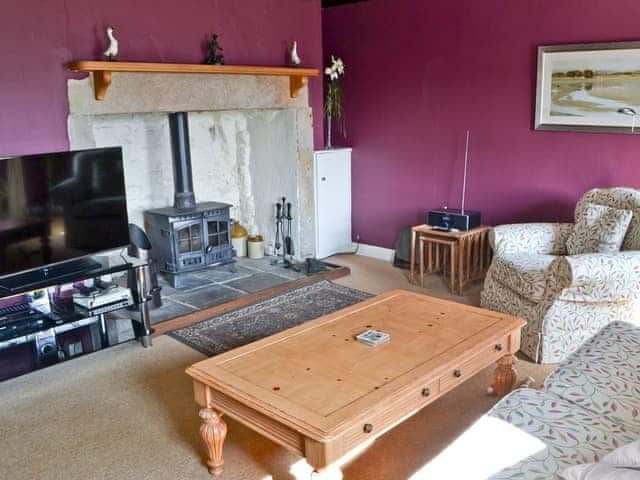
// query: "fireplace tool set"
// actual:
[[284, 241]]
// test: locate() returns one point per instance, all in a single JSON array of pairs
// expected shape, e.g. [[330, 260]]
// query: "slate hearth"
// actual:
[[215, 286], [205, 289]]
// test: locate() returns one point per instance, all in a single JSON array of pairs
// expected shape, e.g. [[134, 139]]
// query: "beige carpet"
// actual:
[[128, 413]]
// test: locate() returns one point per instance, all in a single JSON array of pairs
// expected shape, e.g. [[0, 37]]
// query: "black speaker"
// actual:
[[139, 242]]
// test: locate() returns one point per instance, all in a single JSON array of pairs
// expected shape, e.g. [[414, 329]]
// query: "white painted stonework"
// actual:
[[250, 143]]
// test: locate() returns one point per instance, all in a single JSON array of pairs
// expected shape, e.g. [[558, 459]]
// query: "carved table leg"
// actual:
[[213, 431], [504, 377]]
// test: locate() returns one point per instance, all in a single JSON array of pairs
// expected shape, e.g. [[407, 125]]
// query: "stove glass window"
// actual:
[[218, 233], [190, 238], [196, 237]]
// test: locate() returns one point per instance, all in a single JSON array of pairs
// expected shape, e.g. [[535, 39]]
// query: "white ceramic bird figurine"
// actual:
[[295, 59], [112, 52]]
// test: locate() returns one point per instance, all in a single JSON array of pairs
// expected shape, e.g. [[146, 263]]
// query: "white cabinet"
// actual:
[[332, 177]]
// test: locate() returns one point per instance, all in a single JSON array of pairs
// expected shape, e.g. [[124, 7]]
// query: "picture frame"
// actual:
[[590, 87]]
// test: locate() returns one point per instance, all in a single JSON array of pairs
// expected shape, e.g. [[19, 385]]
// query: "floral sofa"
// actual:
[[565, 299], [586, 408]]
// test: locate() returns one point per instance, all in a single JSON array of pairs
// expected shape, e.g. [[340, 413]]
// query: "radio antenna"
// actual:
[[464, 178]]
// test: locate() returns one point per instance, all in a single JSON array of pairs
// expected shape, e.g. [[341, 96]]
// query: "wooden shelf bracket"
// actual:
[[297, 83], [101, 82], [102, 72]]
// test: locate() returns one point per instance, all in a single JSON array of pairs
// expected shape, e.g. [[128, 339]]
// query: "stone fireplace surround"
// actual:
[[250, 143]]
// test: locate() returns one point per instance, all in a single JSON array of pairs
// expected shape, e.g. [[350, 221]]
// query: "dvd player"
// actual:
[[113, 296]]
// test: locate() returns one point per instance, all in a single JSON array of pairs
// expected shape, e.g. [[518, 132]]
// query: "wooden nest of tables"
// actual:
[[464, 256]]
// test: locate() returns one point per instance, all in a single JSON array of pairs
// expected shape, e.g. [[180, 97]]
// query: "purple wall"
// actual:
[[38, 38], [419, 73]]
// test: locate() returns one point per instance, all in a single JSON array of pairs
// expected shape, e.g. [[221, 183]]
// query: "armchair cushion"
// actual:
[[540, 238], [523, 273], [599, 277], [598, 229], [619, 197]]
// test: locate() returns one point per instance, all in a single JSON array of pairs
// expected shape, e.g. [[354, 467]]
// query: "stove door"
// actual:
[[219, 234], [189, 244], [218, 240]]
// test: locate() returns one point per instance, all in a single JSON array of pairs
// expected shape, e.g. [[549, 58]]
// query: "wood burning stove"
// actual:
[[189, 236]]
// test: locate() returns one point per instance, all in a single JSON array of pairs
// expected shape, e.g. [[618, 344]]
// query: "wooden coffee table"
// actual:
[[318, 392]]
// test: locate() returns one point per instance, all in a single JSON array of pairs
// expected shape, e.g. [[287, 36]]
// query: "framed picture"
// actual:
[[589, 87]]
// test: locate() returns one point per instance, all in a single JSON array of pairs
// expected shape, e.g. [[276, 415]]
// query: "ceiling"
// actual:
[[335, 3]]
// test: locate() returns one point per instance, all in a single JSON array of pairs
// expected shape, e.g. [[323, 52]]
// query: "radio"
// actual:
[[449, 219], [453, 219]]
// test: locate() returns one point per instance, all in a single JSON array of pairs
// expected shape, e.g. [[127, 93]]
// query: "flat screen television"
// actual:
[[58, 209]]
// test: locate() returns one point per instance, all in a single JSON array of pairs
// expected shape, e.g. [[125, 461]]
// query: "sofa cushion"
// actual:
[[621, 464], [598, 229], [603, 376], [599, 471], [528, 435], [627, 456], [570, 434], [524, 273]]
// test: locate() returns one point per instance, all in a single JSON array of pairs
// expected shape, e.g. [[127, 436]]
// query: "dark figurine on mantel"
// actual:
[[214, 55]]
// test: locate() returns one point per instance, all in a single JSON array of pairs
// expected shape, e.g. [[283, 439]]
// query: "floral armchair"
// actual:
[[565, 299]]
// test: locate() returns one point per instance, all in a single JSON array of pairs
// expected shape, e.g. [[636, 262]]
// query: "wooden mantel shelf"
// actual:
[[298, 77]]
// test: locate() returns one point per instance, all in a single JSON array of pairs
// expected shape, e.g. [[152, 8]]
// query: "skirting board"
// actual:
[[374, 251]]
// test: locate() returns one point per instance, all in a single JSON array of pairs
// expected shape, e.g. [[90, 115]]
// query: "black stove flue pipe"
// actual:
[[184, 197]]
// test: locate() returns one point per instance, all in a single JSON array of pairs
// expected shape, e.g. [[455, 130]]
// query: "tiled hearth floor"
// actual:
[[215, 286]]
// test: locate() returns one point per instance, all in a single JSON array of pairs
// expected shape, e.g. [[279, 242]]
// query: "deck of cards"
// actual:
[[373, 337]]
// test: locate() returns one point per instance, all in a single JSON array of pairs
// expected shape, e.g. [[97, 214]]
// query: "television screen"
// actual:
[[56, 207]]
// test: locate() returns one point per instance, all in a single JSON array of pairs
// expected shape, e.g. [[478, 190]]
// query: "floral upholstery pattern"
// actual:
[[623, 198], [602, 277], [540, 238], [587, 408], [524, 273], [567, 325], [599, 229], [581, 293], [553, 332], [570, 434], [499, 298], [603, 376]]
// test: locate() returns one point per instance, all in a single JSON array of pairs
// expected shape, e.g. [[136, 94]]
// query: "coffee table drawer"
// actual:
[[462, 372], [391, 414]]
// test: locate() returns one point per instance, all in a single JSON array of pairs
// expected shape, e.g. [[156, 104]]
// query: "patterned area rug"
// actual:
[[266, 317]]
